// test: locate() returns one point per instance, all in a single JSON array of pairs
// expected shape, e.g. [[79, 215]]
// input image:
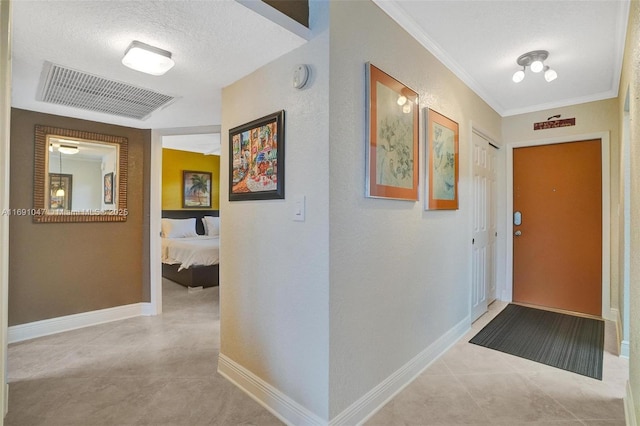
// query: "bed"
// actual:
[[191, 252]]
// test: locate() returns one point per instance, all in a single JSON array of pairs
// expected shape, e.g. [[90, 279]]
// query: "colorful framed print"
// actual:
[[256, 160], [442, 162], [392, 137], [108, 188], [196, 189]]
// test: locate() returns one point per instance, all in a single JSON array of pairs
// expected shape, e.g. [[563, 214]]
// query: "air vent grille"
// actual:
[[65, 86]]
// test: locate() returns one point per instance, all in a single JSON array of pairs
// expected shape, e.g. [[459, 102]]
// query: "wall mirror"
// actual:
[[79, 176]]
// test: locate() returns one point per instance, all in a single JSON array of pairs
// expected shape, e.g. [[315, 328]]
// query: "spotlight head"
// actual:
[[550, 75], [537, 65], [518, 76]]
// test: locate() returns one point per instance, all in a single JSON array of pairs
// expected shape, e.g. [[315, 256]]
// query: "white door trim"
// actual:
[[5, 121], [606, 214]]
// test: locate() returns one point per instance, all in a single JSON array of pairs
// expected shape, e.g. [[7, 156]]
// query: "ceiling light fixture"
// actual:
[[534, 60], [148, 59], [60, 191], [66, 149]]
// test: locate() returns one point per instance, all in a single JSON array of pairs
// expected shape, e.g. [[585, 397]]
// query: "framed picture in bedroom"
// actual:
[[392, 137], [108, 188], [196, 189], [442, 162], [256, 160]]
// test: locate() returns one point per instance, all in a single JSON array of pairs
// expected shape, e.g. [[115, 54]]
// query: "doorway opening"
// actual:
[[203, 140]]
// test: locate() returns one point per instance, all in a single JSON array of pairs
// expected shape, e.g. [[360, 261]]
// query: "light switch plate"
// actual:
[[299, 208]]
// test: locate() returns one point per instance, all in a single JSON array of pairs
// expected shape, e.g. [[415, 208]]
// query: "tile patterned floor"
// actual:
[[158, 371], [475, 386], [161, 371]]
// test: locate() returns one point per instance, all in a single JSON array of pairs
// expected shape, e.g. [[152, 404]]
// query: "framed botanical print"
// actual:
[[392, 137], [442, 162]]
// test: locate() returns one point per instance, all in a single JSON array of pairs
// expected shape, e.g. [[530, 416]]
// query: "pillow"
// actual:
[[211, 226], [179, 228]]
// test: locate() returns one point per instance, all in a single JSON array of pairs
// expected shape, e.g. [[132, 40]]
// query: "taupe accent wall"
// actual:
[[294, 9], [59, 269]]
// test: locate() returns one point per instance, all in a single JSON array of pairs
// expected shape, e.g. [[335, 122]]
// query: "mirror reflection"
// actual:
[[79, 176]]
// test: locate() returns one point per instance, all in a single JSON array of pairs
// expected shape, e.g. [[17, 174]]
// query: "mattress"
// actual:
[[191, 251]]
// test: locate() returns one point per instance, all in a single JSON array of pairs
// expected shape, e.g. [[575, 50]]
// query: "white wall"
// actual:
[[5, 120], [400, 276], [274, 272], [86, 187], [631, 78]]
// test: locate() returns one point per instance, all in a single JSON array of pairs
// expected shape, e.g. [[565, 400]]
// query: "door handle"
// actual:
[[517, 233]]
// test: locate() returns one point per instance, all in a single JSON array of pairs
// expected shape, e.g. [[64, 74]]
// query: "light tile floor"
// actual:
[[475, 386], [162, 371], [157, 371]]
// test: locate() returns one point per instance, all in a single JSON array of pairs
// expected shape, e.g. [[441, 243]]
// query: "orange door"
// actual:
[[557, 248]]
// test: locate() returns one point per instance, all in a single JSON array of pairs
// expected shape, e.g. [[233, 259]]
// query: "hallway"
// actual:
[[162, 371], [141, 371], [472, 385]]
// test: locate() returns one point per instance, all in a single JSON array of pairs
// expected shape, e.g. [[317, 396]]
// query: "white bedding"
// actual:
[[200, 250]]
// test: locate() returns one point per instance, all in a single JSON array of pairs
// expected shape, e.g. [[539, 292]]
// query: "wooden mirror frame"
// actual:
[[40, 212]]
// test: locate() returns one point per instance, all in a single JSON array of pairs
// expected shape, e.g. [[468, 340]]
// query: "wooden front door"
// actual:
[[557, 247]]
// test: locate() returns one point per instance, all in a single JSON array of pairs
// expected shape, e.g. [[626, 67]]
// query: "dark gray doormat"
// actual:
[[564, 341]]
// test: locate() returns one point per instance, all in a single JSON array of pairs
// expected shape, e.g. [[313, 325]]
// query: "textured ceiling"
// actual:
[[481, 40], [208, 143], [213, 43]]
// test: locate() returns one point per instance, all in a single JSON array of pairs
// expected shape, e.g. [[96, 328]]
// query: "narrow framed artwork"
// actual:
[[60, 191], [442, 162], [196, 189], [108, 188], [392, 137], [256, 160]]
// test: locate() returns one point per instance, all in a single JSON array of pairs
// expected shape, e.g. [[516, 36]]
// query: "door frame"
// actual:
[[155, 206], [5, 138], [507, 293]]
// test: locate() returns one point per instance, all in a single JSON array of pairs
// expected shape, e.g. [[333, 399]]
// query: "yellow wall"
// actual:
[[174, 162]]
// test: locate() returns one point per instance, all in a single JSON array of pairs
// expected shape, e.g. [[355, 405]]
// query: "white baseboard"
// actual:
[[18, 333], [622, 345], [376, 398], [629, 408], [266, 395], [292, 413], [611, 314], [624, 349]]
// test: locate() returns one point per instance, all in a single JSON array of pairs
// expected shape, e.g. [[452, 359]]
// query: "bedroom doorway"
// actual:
[[200, 140]]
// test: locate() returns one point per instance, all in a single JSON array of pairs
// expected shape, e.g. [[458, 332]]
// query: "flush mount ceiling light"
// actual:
[[148, 59], [68, 149], [535, 61]]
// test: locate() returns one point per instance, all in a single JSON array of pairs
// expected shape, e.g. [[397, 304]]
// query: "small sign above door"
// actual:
[[554, 123]]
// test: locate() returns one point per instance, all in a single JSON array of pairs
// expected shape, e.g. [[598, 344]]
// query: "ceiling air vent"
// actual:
[[68, 87]]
